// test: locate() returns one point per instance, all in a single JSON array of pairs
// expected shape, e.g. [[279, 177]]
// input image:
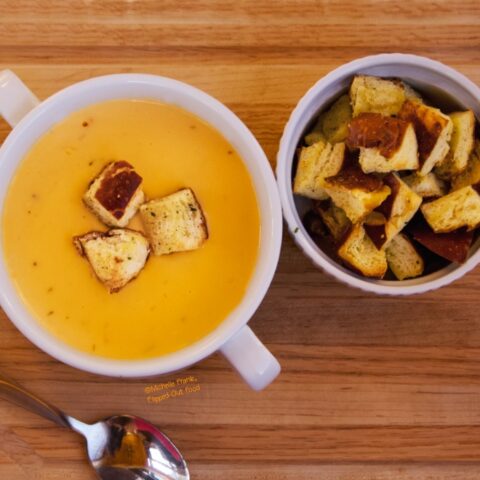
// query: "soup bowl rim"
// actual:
[[91, 91]]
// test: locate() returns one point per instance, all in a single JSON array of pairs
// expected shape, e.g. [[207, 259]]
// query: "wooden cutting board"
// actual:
[[372, 387]]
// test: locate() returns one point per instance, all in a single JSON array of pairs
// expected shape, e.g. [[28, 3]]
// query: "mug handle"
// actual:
[[251, 359], [16, 99]]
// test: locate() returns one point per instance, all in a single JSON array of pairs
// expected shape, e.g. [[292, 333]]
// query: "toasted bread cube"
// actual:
[[376, 95], [313, 137], [460, 208], [332, 125], [319, 234], [334, 122], [315, 163], [403, 259], [461, 145], [405, 157], [398, 209], [360, 254], [471, 175], [411, 93], [375, 218], [356, 202], [386, 144], [174, 223], [452, 246], [334, 218], [116, 257], [115, 195], [433, 130], [427, 186], [354, 191]]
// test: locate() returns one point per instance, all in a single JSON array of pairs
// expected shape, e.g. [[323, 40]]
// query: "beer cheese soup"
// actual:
[[177, 298]]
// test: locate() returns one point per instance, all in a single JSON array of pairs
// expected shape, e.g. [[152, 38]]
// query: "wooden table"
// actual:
[[372, 388]]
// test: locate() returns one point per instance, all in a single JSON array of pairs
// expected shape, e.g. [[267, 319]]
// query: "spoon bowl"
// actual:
[[122, 447]]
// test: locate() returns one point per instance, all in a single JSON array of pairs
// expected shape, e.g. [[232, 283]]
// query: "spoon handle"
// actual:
[[15, 393]]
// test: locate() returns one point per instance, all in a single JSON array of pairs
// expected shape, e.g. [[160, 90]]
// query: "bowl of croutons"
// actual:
[[379, 174]]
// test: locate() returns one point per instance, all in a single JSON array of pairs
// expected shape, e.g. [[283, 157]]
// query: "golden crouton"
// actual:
[[360, 254], [315, 163], [116, 194], [405, 157], [471, 175], [386, 144], [398, 209], [314, 136], [116, 257], [461, 145], [376, 95], [403, 259], [174, 223], [460, 208], [411, 94], [453, 246], [335, 120], [333, 124], [334, 218], [354, 191], [433, 130], [427, 186]]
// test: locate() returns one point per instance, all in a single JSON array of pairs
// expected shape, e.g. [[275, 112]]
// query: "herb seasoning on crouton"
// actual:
[[174, 223], [116, 257]]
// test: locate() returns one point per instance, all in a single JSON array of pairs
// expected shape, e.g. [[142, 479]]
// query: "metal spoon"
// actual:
[[119, 448]]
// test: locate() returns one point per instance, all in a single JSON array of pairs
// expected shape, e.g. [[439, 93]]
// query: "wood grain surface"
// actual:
[[372, 387]]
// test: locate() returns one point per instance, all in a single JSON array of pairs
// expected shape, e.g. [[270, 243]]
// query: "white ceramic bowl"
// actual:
[[423, 74], [233, 337]]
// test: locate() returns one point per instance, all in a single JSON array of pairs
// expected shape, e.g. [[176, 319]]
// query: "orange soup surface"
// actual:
[[177, 299]]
